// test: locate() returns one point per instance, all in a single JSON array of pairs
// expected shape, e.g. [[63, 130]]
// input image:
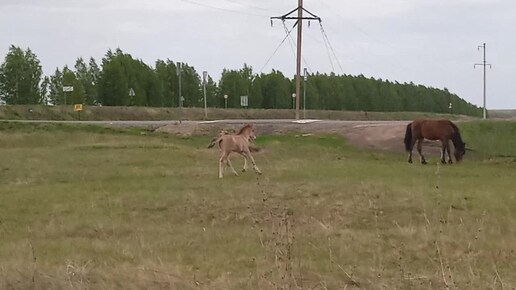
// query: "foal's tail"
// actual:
[[215, 140], [408, 137], [254, 149]]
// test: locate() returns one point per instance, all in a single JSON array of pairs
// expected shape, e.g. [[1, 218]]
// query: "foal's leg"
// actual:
[[419, 147], [231, 166], [248, 154], [221, 164], [245, 163]]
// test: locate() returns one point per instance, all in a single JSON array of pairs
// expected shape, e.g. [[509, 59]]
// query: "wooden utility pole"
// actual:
[[299, 42], [299, 24]]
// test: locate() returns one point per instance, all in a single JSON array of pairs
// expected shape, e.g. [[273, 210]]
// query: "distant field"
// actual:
[[146, 113], [502, 114], [85, 207]]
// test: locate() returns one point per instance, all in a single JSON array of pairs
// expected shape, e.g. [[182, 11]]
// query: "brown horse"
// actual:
[[432, 129], [239, 143]]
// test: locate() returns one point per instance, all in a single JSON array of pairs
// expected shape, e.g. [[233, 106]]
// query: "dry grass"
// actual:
[[38, 112], [82, 208]]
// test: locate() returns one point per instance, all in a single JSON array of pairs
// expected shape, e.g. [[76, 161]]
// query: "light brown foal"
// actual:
[[238, 143]]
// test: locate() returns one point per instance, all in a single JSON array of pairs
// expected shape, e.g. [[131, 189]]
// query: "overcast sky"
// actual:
[[428, 42]]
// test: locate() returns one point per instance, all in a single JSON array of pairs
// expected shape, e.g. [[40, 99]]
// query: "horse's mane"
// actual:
[[455, 137], [244, 128], [454, 126]]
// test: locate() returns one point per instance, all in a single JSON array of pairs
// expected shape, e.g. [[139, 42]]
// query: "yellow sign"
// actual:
[[77, 107]]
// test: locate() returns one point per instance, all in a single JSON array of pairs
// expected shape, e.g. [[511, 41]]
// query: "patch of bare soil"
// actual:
[[387, 137]]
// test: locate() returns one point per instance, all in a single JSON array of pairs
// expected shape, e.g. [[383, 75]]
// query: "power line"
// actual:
[[331, 47], [250, 6], [223, 9], [328, 52], [376, 40], [291, 41], [277, 48]]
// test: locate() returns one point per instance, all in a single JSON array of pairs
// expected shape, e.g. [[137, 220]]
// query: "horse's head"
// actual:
[[248, 131], [252, 135], [460, 150]]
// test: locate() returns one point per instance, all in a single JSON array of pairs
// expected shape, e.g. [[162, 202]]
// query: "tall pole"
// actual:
[[484, 64], [178, 67], [180, 97], [299, 22], [299, 42], [204, 75], [304, 93]]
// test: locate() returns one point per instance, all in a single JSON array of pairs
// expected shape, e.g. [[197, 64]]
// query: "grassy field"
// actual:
[[93, 208]]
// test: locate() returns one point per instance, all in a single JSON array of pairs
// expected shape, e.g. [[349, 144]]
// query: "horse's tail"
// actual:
[[215, 140], [408, 137]]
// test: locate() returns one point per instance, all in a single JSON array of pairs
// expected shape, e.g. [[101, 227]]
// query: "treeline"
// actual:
[[121, 80]]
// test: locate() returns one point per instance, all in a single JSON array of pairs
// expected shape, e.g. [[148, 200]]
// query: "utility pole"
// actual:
[[305, 76], [180, 97], [178, 68], [204, 76], [484, 64], [299, 24]]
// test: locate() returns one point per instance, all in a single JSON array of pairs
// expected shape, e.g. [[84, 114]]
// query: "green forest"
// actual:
[[122, 80]]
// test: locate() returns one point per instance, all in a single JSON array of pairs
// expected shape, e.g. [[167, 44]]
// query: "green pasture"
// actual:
[[84, 207]]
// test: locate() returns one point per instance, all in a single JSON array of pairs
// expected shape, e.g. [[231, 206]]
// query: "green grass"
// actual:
[[83, 207], [490, 138]]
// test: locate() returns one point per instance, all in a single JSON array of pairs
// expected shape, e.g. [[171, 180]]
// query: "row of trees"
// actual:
[[122, 80]]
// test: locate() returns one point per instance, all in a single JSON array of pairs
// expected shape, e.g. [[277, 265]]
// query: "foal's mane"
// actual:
[[244, 128]]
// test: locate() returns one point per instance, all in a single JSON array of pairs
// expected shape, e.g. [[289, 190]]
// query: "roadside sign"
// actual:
[[178, 68], [244, 101], [131, 92], [67, 88], [78, 109]]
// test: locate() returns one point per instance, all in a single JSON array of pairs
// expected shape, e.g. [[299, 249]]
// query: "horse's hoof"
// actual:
[[423, 162], [410, 161], [244, 170]]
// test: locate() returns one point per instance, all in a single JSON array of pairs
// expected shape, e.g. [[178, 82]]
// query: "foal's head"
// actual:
[[248, 131]]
